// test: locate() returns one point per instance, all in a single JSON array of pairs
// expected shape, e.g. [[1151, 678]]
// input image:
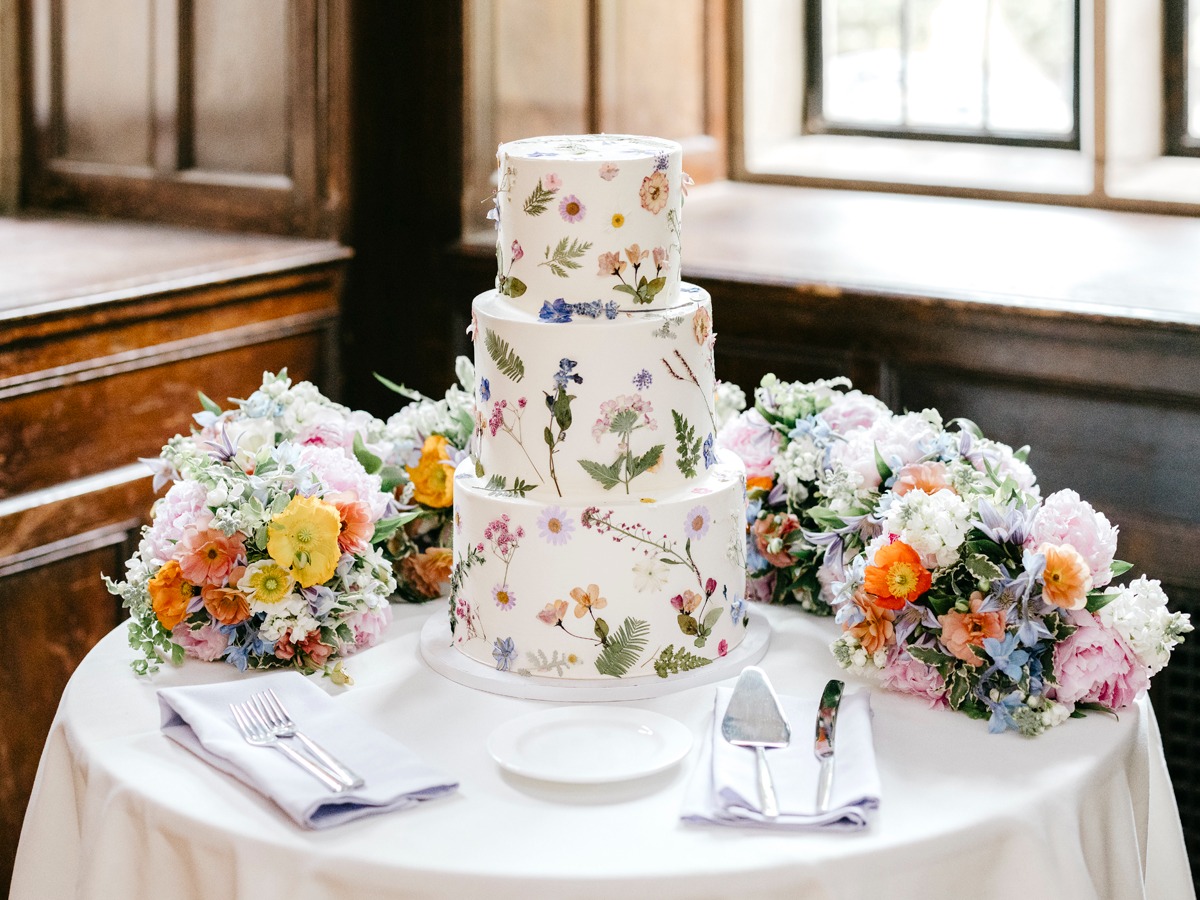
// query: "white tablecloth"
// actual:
[[118, 810]]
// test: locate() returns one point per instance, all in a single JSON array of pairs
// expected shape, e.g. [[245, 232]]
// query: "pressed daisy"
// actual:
[[266, 581], [897, 576], [555, 526], [649, 574], [587, 600], [304, 538], [696, 524], [571, 209], [617, 220], [504, 597], [1067, 577], [170, 594]]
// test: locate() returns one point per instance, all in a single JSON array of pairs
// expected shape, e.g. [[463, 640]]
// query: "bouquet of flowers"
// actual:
[[424, 442], [951, 577], [263, 551]]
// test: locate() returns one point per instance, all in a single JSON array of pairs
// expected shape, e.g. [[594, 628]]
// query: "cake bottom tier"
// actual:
[[627, 588]]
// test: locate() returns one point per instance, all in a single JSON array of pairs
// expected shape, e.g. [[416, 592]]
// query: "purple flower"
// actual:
[[555, 526], [697, 522], [504, 597], [558, 311], [710, 457], [485, 390], [642, 380], [504, 651], [571, 208]]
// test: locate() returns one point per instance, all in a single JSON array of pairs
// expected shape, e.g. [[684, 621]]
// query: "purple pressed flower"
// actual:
[[504, 597], [571, 209], [557, 311], [504, 651], [697, 522], [555, 526], [643, 380]]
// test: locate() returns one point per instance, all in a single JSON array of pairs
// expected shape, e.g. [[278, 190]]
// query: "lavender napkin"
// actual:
[[724, 785], [199, 719]]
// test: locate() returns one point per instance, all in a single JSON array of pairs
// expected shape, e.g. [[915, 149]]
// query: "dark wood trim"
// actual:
[[1176, 139]]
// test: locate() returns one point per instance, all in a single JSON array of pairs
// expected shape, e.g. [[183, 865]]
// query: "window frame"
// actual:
[[1177, 141], [814, 121]]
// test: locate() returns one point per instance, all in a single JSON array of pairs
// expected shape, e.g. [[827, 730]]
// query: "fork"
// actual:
[[258, 734], [276, 716]]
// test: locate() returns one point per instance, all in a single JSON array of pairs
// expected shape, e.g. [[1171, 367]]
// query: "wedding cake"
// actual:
[[597, 532]]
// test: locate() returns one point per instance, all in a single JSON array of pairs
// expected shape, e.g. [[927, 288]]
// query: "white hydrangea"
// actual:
[[934, 525], [844, 490], [729, 401], [798, 466], [793, 400], [1139, 614], [453, 417]]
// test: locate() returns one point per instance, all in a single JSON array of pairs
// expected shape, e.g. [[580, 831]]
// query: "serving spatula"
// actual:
[[754, 719]]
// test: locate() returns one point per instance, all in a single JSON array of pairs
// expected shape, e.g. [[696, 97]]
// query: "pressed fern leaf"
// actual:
[[623, 648], [535, 203], [672, 661], [688, 445], [564, 256], [503, 356]]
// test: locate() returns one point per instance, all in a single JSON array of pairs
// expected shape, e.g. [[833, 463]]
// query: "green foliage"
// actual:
[[565, 254], [672, 661], [399, 388], [645, 462], [688, 446], [498, 484], [1097, 600], [510, 286], [536, 202], [506, 360], [385, 528], [623, 648], [607, 475], [208, 405], [369, 460], [645, 291], [884, 470]]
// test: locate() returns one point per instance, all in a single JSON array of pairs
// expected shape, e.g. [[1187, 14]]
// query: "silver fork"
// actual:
[[276, 716], [257, 733]]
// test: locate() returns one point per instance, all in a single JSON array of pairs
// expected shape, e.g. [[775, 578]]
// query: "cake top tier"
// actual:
[[589, 217]]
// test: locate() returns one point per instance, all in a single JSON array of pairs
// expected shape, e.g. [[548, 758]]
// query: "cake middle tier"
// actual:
[[594, 403]]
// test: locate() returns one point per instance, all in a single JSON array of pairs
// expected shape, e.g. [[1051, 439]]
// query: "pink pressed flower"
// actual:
[[653, 192], [608, 171], [552, 182], [207, 556], [1095, 665], [635, 254], [1064, 518], [571, 209], [660, 259], [611, 264], [517, 252], [754, 441], [722, 647]]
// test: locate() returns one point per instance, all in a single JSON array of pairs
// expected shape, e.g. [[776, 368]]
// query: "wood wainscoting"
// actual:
[[107, 332]]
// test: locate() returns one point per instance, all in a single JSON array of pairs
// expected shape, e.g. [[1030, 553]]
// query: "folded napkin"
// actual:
[[724, 786], [198, 717]]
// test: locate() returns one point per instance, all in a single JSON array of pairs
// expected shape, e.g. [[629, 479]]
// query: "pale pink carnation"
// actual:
[[852, 410], [340, 472], [206, 643], [1096, 665], [1066, 519], [907, 675], [754, 441]]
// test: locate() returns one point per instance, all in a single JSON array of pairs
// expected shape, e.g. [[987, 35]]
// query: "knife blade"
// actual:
[[755, 719], [823, 746]]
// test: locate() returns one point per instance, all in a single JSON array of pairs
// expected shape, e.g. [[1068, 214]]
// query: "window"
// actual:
[[992, 71], [1181, 64]]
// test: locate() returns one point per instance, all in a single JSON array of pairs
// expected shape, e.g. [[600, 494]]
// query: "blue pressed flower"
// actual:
[[610, 309], [591, 308], [566, 373], [710, 456], [557, 311], [737, 607], [643, 379], [485, 390], [661, 161], [504, 651]]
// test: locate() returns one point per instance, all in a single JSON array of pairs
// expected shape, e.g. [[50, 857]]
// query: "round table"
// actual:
[[118, 810]]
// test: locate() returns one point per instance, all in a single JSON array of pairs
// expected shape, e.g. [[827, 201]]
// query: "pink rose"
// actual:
[[1066, 519], [1096, 665], [754, 441], [206, 643], [853, 410], [906, 675]]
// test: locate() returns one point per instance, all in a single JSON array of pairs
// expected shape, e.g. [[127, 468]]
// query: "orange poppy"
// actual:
[[897, 577]]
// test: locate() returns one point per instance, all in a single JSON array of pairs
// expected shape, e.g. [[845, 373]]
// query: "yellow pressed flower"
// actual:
[[304, 539], [267, 581], [617, 220]]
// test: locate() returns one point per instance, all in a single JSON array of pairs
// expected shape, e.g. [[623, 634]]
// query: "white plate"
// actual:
[[589, 744]]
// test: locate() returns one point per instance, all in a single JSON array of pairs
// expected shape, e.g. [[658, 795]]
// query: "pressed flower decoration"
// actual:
[[265, 550], [950, 575]]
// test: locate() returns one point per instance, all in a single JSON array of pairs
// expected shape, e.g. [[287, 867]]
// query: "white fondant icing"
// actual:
[[587, 588], [589, 217], [657, 365]]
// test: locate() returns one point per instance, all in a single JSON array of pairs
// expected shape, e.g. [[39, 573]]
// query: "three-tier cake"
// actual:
[[597, 533]]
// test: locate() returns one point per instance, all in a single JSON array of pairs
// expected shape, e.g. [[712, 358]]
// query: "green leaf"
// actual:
[[647, 460], [385, 528], [982, 567], [625, 289], [208, 404], [623, 648], [930, 657], [1097, 600], [624, 422], [826, 518], [940, 603], [399, 388], [513, 287], [1119, 567], [369, 460], [601, 630], [608, 476], [960, 689], [687, 446], [672, 661], [655, 285], [508, 362], [536, 202], [391, 477], [565, 255], [688, 624], [711, 617], [549, 436], [561, 409], [884, 470], [498, 484]]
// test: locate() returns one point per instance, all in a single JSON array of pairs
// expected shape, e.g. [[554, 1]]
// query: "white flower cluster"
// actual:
[[798, 466], [730, 400], [934, 525], [793, 400], [453, 417], [1139, 614], [851, 655]]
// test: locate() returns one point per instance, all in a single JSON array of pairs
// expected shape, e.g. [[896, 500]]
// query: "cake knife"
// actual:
[[823, 747], [754, 719]]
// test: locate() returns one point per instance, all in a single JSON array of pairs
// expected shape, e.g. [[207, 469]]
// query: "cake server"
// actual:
[[755, 719], [823, 747]]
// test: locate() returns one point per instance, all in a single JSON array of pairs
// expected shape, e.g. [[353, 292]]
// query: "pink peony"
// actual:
[[1066, 519], [754, 441], [181, 506], [206, 643], [1096, 665], [339, 472], [911, 676], [853, 410], [368, 626]]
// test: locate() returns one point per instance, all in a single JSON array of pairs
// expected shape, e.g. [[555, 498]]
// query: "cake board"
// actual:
[[439, 652]]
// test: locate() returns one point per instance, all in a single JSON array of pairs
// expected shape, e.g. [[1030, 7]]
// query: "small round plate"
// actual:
[[589, 744]]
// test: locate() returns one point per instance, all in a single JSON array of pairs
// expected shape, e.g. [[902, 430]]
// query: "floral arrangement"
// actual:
[[951, 577], [423, 443], [264, 551]]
